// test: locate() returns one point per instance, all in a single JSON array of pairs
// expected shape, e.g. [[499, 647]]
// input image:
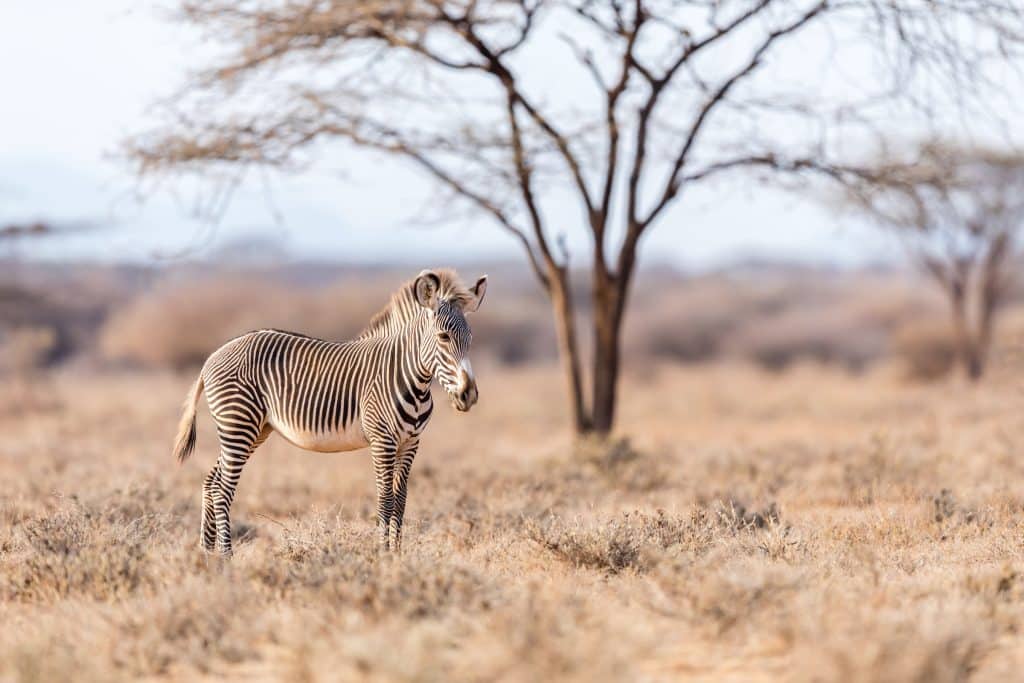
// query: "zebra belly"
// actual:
[[324, 442]]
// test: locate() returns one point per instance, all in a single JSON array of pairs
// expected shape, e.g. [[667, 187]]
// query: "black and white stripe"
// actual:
[[337, 396]]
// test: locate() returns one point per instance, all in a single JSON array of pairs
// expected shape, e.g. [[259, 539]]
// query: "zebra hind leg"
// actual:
[[237, 444], [208, 527], [230, 467], [236, 447]]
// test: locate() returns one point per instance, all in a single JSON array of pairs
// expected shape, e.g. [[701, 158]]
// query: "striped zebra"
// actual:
[[338, 396]]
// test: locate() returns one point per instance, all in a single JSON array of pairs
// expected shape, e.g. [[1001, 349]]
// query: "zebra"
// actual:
[[331, 396]]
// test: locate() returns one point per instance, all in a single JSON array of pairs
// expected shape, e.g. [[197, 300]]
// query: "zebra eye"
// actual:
[[443, 336]]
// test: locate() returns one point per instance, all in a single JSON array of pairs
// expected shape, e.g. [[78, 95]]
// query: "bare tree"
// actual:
[[958, 211], [15, 236], [518, 106], [30, 338]]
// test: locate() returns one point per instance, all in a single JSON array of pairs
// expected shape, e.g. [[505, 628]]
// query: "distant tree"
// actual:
[[15, 234], [29, 340], [617, 105], [958, 210], [14, 231]]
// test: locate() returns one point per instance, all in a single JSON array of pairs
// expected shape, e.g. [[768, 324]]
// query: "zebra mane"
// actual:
[[403, 306]]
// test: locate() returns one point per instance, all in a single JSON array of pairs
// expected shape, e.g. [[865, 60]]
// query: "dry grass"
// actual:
[[805, 526]]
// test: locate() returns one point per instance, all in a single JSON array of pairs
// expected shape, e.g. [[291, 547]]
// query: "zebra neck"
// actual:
[[396, 316], [416, 343]]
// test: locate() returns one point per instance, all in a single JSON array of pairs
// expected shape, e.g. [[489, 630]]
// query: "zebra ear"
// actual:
[[478, 290], [427, 285]]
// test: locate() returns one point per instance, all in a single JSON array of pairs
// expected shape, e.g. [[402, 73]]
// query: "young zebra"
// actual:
[[338, 396]]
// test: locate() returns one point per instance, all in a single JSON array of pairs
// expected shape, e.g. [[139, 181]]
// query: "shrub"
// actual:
[[179, 325], [26, 349], [925, 349], [631, 541]]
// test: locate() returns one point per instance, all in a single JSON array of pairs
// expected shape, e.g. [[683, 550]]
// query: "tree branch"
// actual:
[[714, 99], [526, 185], [599, 221], [497, 67]]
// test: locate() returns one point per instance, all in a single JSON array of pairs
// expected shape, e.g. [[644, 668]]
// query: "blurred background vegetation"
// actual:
[[769, 314]]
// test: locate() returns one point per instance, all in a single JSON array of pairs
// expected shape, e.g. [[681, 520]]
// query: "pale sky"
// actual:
[[77, 77]]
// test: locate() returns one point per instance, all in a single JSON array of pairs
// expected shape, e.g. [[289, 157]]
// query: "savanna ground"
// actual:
[[811, 525]]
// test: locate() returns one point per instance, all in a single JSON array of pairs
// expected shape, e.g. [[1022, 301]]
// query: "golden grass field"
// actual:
[[809, 526]]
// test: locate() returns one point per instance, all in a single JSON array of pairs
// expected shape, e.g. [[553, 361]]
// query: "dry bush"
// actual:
[[513, 334], [637, 540], [825, 336], [98, 551], [209, 622], [179, 325], [337, 562], [843, 322], [733, 596], [540, 632], [617, 463], [24, 354], [24, 350], [690, 321], [925, 349], [772, 318], [49, 320], [916, 644], [630, 541], [1006, 357], [547, 633]]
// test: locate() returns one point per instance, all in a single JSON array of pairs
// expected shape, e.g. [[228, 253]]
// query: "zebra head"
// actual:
[[448, 337]]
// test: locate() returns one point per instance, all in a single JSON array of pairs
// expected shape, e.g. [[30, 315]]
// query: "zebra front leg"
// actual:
[[384, 470], [403, 464]]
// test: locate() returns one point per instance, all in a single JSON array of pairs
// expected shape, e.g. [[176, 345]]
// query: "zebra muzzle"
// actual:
[[466, 397]]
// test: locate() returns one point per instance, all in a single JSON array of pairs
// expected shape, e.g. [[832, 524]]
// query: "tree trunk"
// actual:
[[990, 292], [568, 347], [962, 338], [975, 364], [609, 294], [607, 333], [979, 342], [988, 302]]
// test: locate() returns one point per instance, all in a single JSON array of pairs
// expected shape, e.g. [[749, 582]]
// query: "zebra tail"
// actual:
[[185, 443]]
